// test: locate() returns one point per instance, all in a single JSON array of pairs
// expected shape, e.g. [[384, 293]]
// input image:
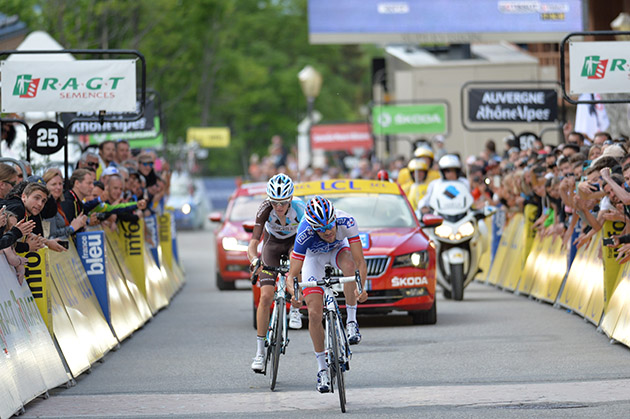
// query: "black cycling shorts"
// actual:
[[272, 249]]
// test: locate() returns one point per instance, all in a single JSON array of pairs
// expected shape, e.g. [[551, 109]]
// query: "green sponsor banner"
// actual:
[[137, 139], [409, 119]]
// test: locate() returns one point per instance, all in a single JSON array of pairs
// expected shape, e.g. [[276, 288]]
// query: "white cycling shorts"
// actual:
[[314, 263]]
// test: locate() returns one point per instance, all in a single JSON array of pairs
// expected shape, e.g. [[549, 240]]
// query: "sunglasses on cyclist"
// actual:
[[325, 228], [279, 203]]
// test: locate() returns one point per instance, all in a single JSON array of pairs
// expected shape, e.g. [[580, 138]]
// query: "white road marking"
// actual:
[[583, 393]]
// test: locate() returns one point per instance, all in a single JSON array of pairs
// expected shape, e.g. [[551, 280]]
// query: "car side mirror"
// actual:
[[215, 217], [249, 226], [431, 220]]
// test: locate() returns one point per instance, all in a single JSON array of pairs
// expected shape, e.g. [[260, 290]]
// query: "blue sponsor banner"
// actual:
[[174, 237], [91, 249], [150, 224], [498, 222]]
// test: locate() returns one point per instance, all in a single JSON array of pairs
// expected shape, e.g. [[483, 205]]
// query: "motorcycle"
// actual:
[[461, 238]]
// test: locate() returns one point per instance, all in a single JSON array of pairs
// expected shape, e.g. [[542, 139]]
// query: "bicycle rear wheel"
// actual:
[[336, 364], [276, 341]]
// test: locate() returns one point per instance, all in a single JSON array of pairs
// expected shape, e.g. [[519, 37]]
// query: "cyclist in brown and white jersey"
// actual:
[[279, 216]]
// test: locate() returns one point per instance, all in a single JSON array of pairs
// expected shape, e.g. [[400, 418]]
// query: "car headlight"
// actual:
[[231, 244], [416, 259], [467, 229], [186, 209], [443, 231]]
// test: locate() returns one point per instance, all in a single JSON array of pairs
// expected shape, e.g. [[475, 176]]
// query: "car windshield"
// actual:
[[375, 210], [245, 207]]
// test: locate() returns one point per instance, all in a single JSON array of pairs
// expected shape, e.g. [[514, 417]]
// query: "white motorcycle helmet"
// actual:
[[450, 161]]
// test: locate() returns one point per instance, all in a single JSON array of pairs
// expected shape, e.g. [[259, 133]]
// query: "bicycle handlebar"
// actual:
[[271, 269], [328, 281]]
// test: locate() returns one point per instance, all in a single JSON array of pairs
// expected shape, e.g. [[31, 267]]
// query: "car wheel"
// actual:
[[425, 317], [225, 285]]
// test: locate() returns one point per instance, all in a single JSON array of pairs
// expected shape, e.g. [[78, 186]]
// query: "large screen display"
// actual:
[[453, 21]]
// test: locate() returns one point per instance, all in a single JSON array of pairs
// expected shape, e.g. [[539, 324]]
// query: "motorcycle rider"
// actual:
[[425, 154], [450, 170], [416, 191], [279, 216]]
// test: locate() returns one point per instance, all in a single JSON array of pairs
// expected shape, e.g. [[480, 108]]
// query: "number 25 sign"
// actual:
[[46, 137]]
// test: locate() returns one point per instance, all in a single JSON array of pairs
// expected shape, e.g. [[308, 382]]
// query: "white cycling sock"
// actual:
[[351, 311], [260, 345], [321, 360]]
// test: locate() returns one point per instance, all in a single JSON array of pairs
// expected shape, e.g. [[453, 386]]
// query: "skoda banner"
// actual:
[[91, 249], [599, 67], [69, 86], [512, 105], [409, 119]]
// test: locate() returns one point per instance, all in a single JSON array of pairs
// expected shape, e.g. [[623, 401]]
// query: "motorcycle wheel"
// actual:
[[457, 281], [447, 294]]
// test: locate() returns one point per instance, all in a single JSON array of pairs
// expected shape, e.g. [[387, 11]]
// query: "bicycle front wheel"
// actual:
[[336, 363], [276, 341]]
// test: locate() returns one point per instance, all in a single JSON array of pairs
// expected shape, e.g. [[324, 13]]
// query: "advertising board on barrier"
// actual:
[[69, 86], [91, 249], [599, 67], [150, 223], [36, 275], [132, 240], [166, 242], [512, 105]]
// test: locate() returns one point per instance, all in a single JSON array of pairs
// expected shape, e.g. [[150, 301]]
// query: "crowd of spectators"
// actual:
[[574, 187], [109, 184]]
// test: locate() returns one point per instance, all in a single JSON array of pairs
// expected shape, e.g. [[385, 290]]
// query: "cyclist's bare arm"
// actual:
[[294, 271], [356, 248]]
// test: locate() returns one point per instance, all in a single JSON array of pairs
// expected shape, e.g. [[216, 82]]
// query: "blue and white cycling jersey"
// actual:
[[307, 239]]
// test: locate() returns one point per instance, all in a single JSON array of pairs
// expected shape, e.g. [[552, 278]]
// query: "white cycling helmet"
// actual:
[[280, 187]]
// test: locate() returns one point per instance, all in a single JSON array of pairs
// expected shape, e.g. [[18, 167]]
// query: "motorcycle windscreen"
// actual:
[[451, 198]]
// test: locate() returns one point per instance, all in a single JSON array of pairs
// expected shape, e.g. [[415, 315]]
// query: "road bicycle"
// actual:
[[277, 338], [337, 348]]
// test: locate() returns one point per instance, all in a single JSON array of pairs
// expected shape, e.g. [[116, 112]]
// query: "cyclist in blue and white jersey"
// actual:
[[279, 215], [327, 236]]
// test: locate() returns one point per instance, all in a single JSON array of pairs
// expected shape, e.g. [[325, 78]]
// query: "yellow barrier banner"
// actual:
[[486, 256], [158, 288], [595, 307], [532, 264], [569, 296], [494, 275], [166, 241], [619, 302], [75, 351], [512, 266], [553, 270], [78, 297], [609, 254], [36, 275], [123, 271], [528, 230], [131, 237]]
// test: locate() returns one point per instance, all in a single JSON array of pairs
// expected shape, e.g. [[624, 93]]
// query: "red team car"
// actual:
[[400, 259], [231, 238]]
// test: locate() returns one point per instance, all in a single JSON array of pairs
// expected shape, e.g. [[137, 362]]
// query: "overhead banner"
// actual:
[[341, 137], [146, 123], [512, 105], [409, 119], [209, 137], [599, 67], [69, 86], [137, 139]]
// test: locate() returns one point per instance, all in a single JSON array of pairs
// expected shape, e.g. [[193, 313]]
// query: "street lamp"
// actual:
[[311, 84]]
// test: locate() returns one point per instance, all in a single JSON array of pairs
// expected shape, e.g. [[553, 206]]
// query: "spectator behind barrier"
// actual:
[[58, 225]]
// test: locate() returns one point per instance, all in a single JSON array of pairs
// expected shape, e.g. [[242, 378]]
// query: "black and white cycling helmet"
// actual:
[[450, 161], [280, 187]]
